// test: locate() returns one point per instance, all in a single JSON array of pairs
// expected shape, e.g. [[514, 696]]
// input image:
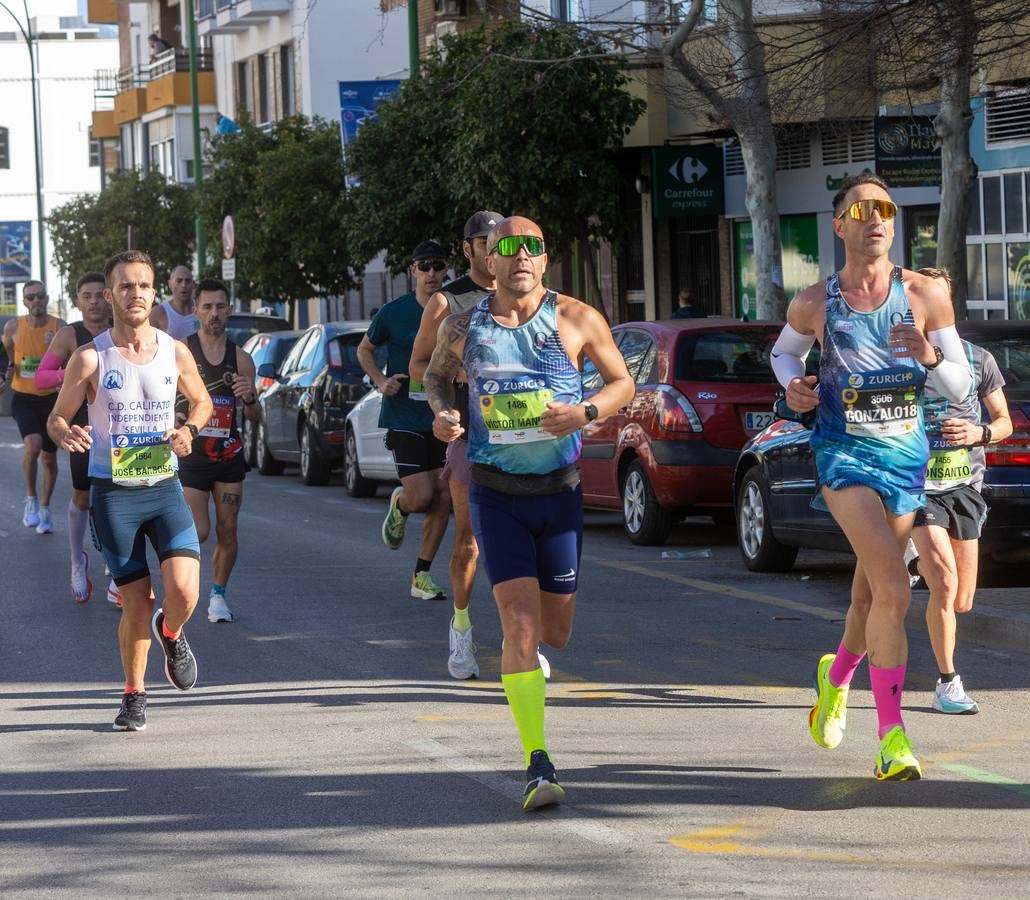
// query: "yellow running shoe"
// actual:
[[896, 761], [828, 718]]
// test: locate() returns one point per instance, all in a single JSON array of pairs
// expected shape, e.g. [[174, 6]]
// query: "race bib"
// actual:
[[29, 365], [220, 423], [416, 390], [512, 408], [948, 464], [880, 412], [139, 460]]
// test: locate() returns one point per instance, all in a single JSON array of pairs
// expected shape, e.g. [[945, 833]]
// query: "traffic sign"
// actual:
[[228, 238], [229, 269]]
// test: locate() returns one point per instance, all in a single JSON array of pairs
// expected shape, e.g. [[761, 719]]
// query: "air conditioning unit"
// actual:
[[451, 8]]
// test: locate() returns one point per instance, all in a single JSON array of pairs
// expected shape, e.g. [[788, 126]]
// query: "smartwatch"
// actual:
[[939, 353], [986, 439], [192, 429], [591, 411]]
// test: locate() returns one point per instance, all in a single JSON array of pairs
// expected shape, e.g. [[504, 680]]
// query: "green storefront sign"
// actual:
[[686, 181], [800, 241]]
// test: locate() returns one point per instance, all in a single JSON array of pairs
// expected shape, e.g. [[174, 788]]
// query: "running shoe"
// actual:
[[82, 587], [542, 788], [393, 524], [545, 666], [896, 761], [912, 564], [133, 714], [114, 595], [217, 611], [828, 718], [180, 664], [951, 698], [45, 524], [462, 660], [30, 518], [424, 588]]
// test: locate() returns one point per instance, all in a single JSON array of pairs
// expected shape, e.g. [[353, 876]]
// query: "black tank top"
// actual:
[[462, 294], [219, 439], [82, 337]]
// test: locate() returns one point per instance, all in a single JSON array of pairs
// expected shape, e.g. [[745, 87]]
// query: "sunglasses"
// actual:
[[41, 296], [424, 265], [510, 246], [862, 210]]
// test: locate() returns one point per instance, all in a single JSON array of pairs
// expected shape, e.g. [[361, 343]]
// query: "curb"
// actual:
[[984, 625]]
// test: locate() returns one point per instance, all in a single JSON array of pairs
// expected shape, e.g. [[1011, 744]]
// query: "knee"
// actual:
[[226, 534], [49, 460], [202, 532], [466, 550], [33, 445], [80, 500], [941, 580], [558, 637], [964, 600], [417, 499]]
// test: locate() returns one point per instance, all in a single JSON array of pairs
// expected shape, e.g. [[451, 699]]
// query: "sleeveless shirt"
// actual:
[[219, 439]]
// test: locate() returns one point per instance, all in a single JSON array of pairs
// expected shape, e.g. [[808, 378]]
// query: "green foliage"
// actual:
[[523, 119], [91, 228], [285, 192]]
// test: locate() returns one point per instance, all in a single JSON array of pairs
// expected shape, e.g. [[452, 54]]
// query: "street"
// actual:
[[325, 751]]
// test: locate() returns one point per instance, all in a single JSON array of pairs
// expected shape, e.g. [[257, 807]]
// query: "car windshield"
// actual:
[[729, 354], [1012, 353], [240, 329]]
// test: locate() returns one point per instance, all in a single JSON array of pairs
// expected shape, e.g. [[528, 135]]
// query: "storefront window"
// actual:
[[1014, 203], [921, 235], [995, 273], [974, 265], [973, 222], [800, 242], [992, 205], [1019, 280]]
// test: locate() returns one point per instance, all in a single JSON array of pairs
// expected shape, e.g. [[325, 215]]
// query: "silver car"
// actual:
[[366, 461]]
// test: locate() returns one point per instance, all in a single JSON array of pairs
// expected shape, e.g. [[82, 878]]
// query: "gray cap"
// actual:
[[480, 223], [428, 250]]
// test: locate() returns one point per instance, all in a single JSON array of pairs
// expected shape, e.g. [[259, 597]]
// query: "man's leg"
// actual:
[[180, 578], [938, 568], [198, 501], [228, 500], [438, 512], [134, 631], [421, 494], [32, 445], [466, 551], [48, 461]]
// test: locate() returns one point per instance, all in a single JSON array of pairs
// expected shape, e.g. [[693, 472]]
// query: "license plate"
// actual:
[[758, 421]]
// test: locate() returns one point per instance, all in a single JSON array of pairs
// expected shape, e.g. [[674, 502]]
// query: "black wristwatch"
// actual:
[[591, 411], [192, 429], [939, 353], [986, 439]]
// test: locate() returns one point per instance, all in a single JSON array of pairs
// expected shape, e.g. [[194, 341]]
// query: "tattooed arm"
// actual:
[[439, 376]]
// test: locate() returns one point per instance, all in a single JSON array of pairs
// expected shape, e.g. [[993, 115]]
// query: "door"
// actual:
[[695, 263]]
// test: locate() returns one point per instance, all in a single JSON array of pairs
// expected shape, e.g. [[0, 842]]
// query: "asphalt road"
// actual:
[[325, 751]]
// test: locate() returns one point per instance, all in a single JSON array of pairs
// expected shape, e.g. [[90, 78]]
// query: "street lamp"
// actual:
[[36, 137], [198, 169]]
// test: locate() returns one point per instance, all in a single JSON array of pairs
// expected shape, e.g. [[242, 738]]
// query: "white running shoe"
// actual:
[[46, 524], [217, 611], [81, 586], [114, 595], [30, 518], [462, 660], [951, 698], [912, 563], [545, 666]]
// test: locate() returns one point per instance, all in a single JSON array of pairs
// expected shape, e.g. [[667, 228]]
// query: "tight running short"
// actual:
[[537, 537], [79, 465], [203, 474], [415, 451], [124, 518], [962, 511], [31, 412]]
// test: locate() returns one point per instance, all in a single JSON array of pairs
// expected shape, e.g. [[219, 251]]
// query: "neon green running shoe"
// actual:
[[393, 524], [896, 761], [424, 588], [828, 718]]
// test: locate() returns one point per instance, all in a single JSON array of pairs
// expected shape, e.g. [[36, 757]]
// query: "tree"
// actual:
[[89, 229]]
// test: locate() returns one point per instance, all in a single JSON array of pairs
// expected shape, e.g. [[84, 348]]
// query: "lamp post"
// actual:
[[198, 169]]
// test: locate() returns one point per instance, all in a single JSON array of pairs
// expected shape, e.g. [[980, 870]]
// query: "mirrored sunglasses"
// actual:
[[862, 210], [424, 265], [510, 246]]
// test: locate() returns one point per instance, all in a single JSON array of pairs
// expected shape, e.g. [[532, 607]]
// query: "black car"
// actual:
[[303, 414], [242, 326], [775, 479], [264, 348]]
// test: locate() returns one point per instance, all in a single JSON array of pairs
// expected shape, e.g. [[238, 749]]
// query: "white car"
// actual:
[[366, 461]]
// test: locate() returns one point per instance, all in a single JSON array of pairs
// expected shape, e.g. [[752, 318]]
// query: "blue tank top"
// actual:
[[513, 373]]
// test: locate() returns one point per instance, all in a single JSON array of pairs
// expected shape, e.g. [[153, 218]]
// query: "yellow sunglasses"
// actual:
[[861, 210]]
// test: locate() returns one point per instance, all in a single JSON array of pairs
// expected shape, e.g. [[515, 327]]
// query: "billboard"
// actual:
[[15, 252], [359, 101], [908, 153], [799, 238]]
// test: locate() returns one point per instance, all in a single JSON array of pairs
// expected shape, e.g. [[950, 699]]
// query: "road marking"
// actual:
[[40, 792], [1009, 784]]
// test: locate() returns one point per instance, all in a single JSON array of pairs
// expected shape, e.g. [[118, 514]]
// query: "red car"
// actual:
[[704, 388]]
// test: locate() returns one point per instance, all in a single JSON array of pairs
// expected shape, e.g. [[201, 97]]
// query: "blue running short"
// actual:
[[537, 537], [124, 518]]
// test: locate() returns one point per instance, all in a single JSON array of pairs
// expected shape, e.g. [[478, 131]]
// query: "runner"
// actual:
[[523, 349], [457, 296], [96, 318], [418, 455], [129, 377], [947, 530], [215, 467], [883, 332], [26, 340], [177, 315]]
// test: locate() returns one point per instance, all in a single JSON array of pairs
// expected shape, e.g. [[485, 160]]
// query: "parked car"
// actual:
[[244, 325], [704, 386], [366, 461], [303, 414], [775, 480], [264, 348]]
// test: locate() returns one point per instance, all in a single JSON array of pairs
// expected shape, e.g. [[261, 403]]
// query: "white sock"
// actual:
[[78, 519]]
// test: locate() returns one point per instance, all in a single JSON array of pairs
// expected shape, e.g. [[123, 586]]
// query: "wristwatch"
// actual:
[[192, 429], [590, 410], [939, 353], [986, 439], [250, 402]]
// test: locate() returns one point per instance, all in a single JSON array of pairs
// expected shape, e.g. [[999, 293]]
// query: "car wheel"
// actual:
[[357, 485], [760, 549], [313, 469], [266, 463], [249, 439], [645, 521]]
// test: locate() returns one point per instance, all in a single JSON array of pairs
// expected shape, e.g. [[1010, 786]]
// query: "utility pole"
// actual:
[[413, 37], [198, 169]]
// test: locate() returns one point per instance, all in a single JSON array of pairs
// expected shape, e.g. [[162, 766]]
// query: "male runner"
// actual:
[[96, 318], [215, 467], [947, 530], [177, 315], [26, 340], [418, 455], [523, 349], [458, 296], [883, 331], [129, 377]]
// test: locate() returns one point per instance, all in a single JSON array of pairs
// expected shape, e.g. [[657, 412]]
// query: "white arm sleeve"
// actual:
[[952, 378], [790, 352]]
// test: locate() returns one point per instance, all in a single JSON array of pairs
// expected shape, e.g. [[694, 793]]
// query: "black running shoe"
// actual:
[[180, 664], [133, 714], [542, 788]]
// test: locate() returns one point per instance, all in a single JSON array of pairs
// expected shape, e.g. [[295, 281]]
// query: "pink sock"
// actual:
[[887, 687], [842, 669]]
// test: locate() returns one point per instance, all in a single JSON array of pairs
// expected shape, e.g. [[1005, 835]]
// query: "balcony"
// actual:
[[129, 104], [102, 12], [164, 81], [220, 17], [104, 125]]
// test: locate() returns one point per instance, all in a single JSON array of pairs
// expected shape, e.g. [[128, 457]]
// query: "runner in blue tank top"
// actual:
[[523, 349], [884, 332]]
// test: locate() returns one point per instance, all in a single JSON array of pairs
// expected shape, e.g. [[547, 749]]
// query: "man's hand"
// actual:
[[909, 342], [77, 439], [560, 419], [447, 425], [960, 433], [181, 440], [388, 387], [243, 389], [803, 393]]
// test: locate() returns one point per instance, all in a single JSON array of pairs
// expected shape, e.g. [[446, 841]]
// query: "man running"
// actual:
[[418, 455], [458, 296], [177, 316], [883, 331], [129, 376], [523, 349], [96, 318], [26, 340], [215, 467]]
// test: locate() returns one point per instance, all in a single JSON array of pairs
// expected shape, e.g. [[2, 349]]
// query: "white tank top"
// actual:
[[133, 408], [180, 327]]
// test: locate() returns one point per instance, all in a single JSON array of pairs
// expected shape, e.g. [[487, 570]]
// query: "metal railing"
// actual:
[[175, 60]]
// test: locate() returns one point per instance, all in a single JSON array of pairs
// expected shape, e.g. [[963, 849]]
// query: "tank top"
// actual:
[[219, 439], [513, 373], [133, 408], [29, 346], [462, 294], [180, 327], [82, 337]]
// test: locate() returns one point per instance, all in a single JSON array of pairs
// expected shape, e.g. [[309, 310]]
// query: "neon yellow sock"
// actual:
[[462, 622], [525, 692]]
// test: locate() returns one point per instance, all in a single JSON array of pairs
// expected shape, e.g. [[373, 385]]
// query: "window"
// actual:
[[1007, 118], [5, 149], [636, 348], [736, 354], [242, 95], [286, 80], [292, 363], [849, 142], [793, 150], [733, 158], [96, 150], [262, 111]]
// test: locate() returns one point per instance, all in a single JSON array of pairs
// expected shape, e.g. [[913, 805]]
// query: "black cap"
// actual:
[[480, 223], [428, 250]]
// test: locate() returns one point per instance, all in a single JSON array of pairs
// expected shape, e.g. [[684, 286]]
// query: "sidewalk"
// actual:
[[999, 619]]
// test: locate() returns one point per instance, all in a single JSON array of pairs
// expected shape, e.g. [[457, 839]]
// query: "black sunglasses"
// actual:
[[437, 265]]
